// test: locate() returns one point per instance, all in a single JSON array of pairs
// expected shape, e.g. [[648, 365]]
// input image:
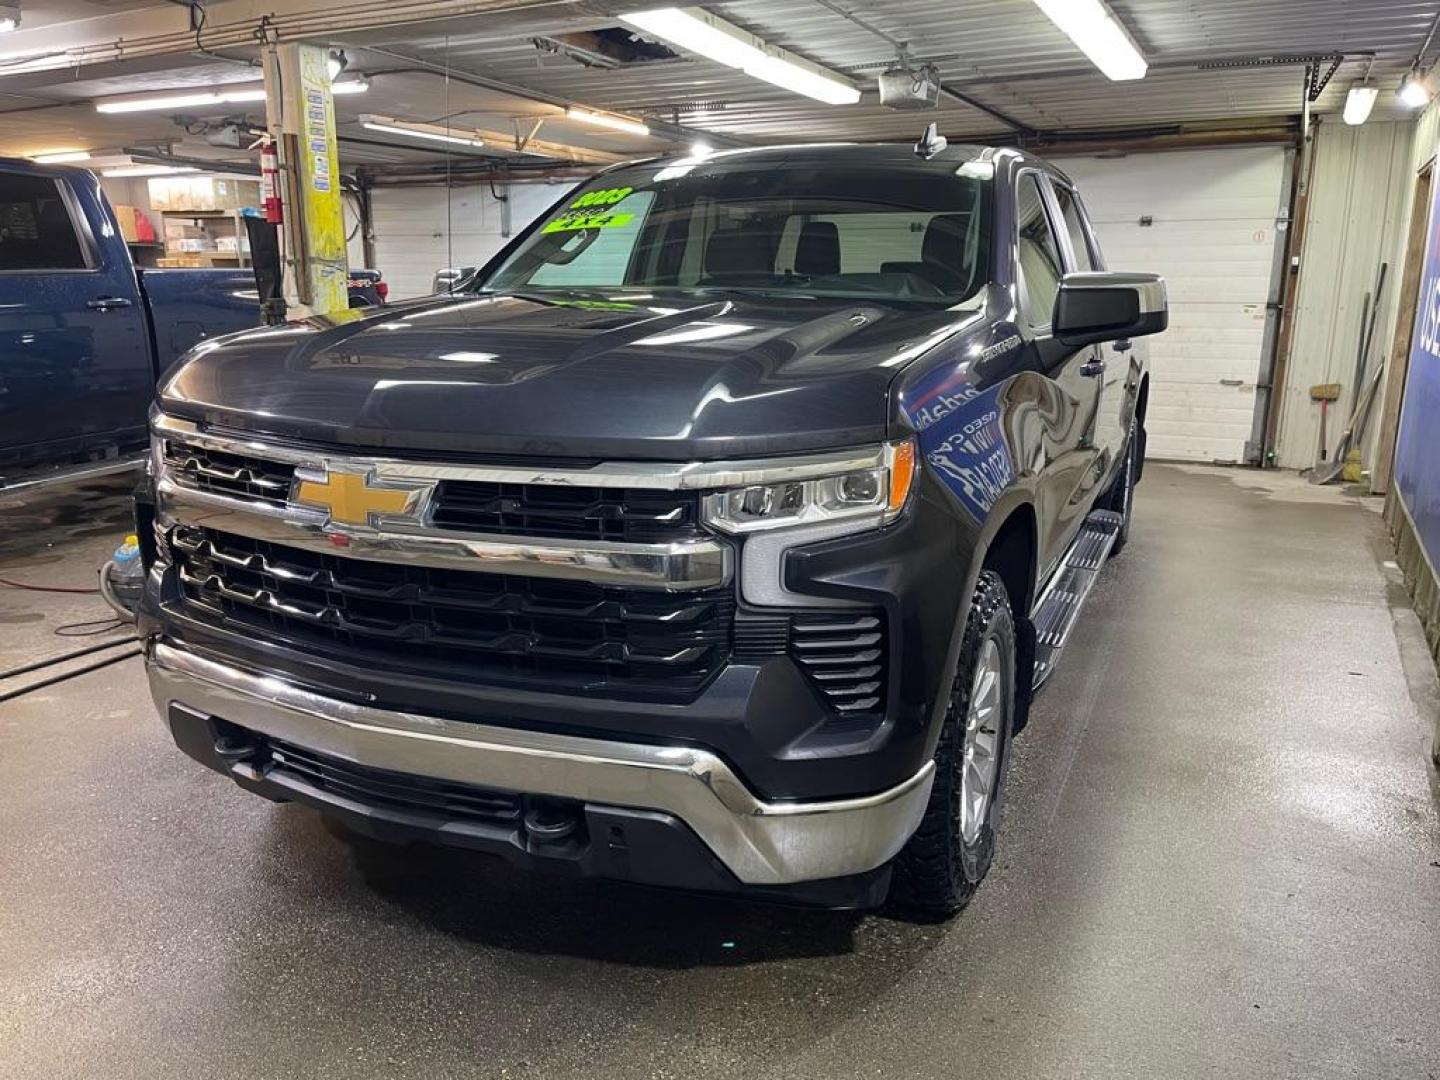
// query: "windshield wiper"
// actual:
[[751, 290]]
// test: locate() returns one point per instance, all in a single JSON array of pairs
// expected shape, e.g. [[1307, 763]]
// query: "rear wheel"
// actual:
[[950, 853]]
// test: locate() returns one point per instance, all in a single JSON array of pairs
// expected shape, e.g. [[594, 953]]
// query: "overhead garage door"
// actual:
[[1206, 220], [419, 230]]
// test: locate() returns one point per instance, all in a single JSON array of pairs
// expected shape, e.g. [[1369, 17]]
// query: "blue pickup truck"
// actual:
[[84, 332]]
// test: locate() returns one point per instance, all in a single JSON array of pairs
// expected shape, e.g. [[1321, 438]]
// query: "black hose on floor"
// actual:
[[74, 654], [19, 691]]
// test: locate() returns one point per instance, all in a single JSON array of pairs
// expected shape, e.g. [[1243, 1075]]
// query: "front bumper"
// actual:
[[761, 844]]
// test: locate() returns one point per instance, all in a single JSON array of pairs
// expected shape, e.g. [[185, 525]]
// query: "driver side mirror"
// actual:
[[1108, 306]]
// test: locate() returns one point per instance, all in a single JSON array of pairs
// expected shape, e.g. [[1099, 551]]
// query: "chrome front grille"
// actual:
[[489, 508], [220, 472], [565, 511], [454, 623], [582, 577]]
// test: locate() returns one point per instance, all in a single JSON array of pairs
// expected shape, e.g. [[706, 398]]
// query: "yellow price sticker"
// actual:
[[602, 197], [575, 222]]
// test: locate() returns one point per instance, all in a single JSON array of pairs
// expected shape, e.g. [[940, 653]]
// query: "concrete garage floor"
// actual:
[[1220, 857]]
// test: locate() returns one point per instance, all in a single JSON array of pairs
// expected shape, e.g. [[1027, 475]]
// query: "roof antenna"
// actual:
[[931, 143]]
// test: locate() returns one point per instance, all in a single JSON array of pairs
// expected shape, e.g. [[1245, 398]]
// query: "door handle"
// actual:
[[107, 303], [1093, 368], [1123, 345]]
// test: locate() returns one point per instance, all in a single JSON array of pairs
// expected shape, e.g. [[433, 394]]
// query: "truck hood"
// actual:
[[574, 376]]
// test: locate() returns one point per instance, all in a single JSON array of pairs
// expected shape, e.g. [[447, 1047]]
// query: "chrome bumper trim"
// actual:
[[691, 564], [763, 843], [655, 475]]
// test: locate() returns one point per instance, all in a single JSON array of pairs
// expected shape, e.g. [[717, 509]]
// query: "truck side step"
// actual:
[[70, 474], [1059, 606]]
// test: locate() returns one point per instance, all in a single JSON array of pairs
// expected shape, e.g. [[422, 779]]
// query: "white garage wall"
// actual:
[[419, 230], [1360, 193], [1213, 236], [354, 242]]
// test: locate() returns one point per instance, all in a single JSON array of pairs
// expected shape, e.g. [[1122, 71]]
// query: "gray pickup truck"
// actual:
[[715, 535]]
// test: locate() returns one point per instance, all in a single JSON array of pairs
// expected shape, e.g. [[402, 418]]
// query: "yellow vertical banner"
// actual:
[[310, 117]]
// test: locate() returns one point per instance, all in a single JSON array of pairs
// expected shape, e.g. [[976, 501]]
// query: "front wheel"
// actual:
[[947, 858]]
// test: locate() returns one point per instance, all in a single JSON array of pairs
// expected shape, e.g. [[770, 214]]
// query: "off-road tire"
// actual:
[[938, 872]]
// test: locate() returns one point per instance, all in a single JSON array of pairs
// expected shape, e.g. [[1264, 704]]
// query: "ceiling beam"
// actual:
[[674, 132], [165, 31], [500, 146]]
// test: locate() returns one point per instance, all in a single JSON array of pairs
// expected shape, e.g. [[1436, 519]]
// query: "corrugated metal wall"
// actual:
[[419, 230], [1359, 206], [1427, 131]]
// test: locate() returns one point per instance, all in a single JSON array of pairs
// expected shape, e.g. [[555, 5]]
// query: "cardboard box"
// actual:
[[202, 193], [125, 217]]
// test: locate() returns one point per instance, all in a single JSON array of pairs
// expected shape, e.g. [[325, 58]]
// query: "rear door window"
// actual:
[[37, 231]]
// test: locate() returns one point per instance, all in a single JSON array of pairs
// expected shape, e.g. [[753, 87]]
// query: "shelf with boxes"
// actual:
[[138, 231], [204, 219]]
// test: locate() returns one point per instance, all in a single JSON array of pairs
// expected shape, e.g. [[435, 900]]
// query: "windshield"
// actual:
[[916, 234]]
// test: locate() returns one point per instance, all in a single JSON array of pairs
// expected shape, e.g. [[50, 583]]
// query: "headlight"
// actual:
[[867, 497], [783, 514]]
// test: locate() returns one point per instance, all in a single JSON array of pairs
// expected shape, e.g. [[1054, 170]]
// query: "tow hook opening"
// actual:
[[552, 822], [234, 744]]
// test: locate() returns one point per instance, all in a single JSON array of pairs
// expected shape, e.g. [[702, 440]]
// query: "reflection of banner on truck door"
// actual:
[[1417, 449]]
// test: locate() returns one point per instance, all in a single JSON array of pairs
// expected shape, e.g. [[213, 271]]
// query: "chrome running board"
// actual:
[[1059, 605]]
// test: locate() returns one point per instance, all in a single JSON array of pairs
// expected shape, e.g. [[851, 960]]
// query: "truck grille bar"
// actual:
[[466, 625]]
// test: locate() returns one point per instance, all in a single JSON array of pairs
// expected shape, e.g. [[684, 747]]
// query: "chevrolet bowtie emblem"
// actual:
[[352, 498]]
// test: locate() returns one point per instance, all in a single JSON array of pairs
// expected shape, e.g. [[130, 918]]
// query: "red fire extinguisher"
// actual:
[[270, 181]]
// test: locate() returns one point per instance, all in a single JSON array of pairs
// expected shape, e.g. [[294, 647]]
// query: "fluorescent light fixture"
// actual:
[[701, 148], [9, 17], [132, 171], [356, 84], [599, 119], [225, 95], [183, 99], [1100, 36], [1358, 103], [696, 30], [699, 32], [158, 101], [335, 63], [61, 157], [805, 80], [417, 130], [1413, 92]]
